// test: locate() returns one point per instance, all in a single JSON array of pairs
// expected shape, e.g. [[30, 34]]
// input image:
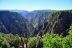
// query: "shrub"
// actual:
[[35, 42], [3, 42], [51, 41], [56, 41]]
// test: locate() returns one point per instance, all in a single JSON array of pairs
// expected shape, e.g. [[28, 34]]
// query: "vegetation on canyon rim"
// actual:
[[48, 40]]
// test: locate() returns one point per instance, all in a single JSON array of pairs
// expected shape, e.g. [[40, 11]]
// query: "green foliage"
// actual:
[[3, 42], [51, 41], [56, 41], [9, 40], [48, 40], [35, 42]]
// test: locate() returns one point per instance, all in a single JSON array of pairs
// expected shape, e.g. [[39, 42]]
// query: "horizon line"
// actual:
[[36, 9]]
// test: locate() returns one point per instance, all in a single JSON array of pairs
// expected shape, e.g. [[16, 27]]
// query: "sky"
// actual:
[[35, 4]]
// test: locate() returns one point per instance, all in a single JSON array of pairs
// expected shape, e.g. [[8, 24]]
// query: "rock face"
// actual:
[[12, 22], [60, 22], [35, 22]]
